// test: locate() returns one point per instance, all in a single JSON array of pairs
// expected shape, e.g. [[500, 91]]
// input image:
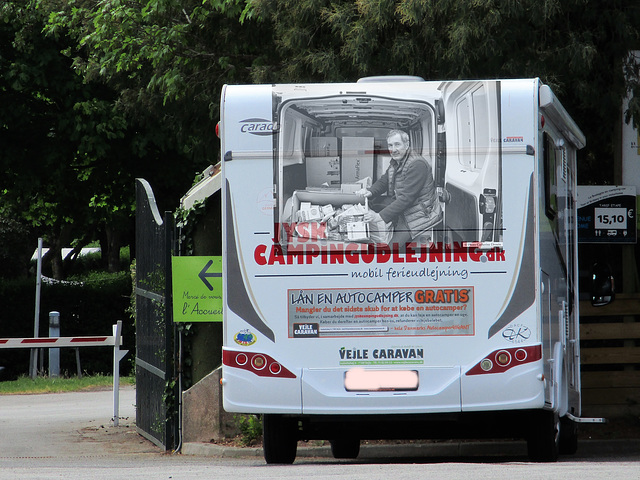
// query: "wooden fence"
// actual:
[[610, 357]]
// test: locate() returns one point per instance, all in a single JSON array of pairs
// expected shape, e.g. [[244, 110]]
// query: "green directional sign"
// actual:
[[197, 289]]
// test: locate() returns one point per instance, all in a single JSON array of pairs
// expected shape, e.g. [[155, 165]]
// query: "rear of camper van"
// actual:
[[333, 331]]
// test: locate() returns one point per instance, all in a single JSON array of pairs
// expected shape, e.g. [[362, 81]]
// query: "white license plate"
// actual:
[[361, 380]]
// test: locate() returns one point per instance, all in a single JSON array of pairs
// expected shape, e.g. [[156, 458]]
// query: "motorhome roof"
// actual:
[[391, 78]]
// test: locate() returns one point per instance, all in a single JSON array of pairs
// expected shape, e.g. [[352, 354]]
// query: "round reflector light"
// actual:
[[521, 354], [486, 364], [242, 359], [275, 368], [503, 358], [258, 362]]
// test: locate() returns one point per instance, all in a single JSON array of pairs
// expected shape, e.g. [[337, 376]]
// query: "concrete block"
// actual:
[[203, 418]]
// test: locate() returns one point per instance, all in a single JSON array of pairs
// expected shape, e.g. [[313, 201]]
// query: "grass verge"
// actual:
[[27, 385]]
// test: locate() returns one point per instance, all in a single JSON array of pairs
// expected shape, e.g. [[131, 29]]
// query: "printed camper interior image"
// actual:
[[331, 145], [330, 148]]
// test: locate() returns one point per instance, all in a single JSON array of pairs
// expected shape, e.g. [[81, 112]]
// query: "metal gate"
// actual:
[[156, 414]]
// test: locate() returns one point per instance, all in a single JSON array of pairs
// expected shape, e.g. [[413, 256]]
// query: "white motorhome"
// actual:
[[332, 331]]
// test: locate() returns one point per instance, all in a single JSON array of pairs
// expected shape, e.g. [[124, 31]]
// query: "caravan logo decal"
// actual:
[[516, 333], [246, 338], [257, 126], [305, 330], [513, 139], [400, 355]]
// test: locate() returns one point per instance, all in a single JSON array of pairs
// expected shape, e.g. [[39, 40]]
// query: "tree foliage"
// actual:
[[168, 58], [94, 93], [71, 149], [579, 47], [38, 91]]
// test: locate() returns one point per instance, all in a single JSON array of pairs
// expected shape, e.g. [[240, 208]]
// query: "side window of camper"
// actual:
[[472, 113], [550, 180], [292, 149]]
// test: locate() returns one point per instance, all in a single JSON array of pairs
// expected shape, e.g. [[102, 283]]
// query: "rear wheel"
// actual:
[[544, 436], [568, 436], [279, 438], [345, 448]]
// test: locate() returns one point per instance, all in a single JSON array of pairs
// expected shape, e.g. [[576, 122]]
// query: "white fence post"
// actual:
[[117, 356]]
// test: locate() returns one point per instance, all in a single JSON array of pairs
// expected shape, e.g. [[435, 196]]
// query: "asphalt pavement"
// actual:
[[80, 424], [69, 424], [487, 449]]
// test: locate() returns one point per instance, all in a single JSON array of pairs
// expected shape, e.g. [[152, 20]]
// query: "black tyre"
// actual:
[[279, 439], [345, 448], [544, 436], [568, 436]]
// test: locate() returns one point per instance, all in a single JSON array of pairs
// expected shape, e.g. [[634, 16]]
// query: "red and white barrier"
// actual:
[[46, 342], [114, 341]]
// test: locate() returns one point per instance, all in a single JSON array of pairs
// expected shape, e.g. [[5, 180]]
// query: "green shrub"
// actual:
[[250, 427]]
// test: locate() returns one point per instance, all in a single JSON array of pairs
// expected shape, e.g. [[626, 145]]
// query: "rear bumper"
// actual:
[[440, 390]]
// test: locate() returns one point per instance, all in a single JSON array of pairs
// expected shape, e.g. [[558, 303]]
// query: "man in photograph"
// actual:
[[404, 197]]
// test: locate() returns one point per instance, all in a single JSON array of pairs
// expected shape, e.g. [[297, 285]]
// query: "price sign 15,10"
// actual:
[[611, 218]]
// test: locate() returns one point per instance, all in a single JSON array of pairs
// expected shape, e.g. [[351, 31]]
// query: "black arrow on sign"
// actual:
[[203, 275]]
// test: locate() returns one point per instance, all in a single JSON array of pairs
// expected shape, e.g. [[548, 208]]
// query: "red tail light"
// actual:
[[506, 358], [259, 363]]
